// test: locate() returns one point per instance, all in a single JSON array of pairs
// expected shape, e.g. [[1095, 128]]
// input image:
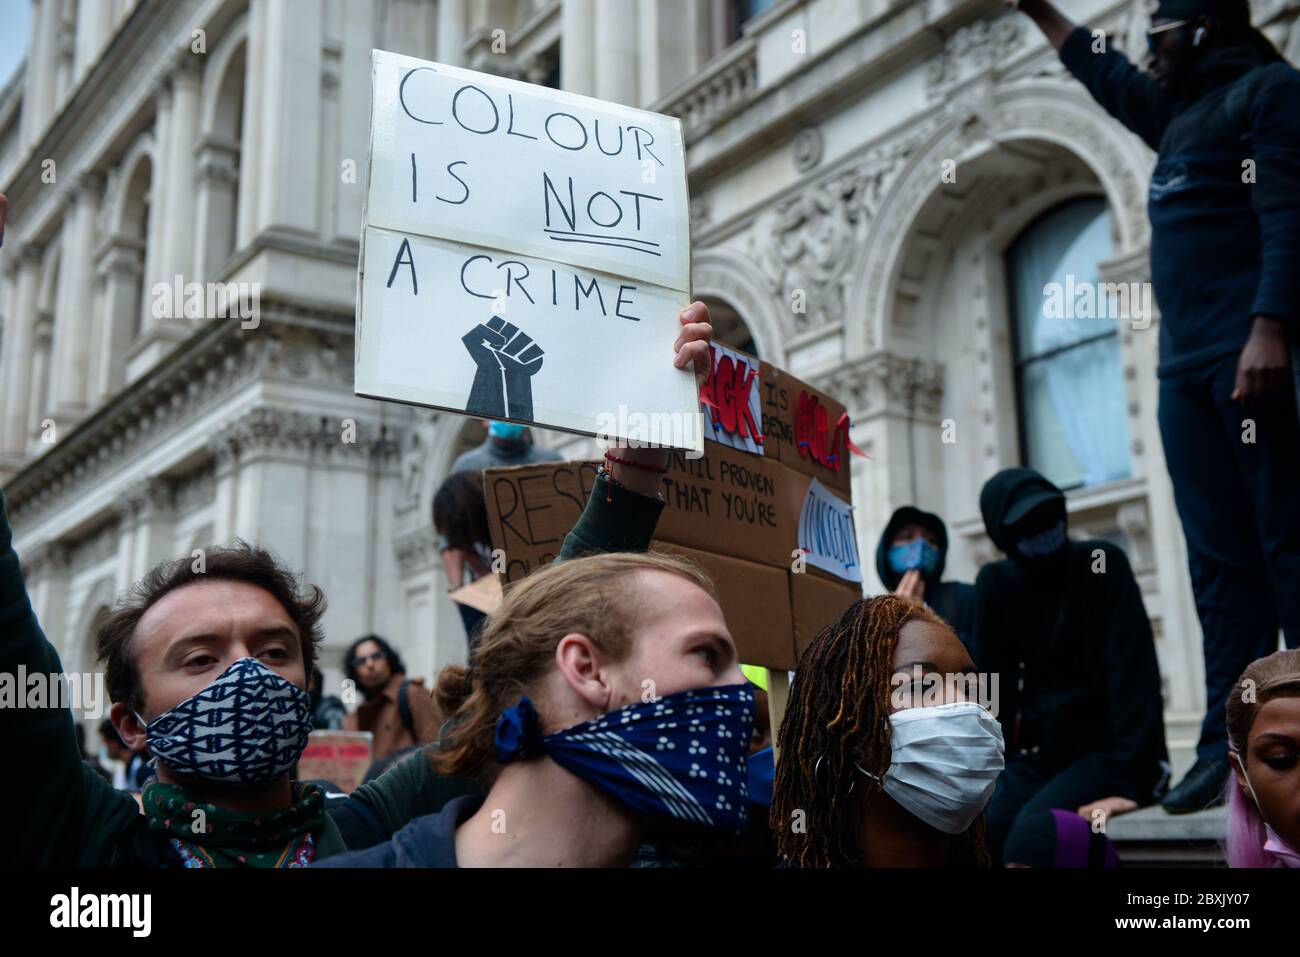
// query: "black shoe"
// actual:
[[1202, 788]]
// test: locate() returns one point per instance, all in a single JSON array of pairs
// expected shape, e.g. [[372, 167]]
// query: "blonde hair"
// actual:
[[592, 596]]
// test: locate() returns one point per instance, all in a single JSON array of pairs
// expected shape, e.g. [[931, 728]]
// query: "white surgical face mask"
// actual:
[[944, 763], [1279, 849]]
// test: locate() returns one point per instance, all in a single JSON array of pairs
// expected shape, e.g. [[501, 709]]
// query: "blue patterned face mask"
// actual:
[[248, 726], [918, 553], [682, 756]]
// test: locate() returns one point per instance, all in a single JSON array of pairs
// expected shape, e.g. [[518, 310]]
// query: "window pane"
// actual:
[[1072, 411], [1062, 248], [1076, 432], [745, 10]]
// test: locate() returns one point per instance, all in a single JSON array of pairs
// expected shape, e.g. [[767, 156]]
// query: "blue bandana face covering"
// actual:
[[682, 756], [918, 553], [248, 726]]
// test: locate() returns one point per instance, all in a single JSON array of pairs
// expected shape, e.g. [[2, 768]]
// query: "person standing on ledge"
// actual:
[[1219, 105]]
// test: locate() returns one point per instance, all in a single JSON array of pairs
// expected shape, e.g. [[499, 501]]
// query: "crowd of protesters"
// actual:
[[604, 717]]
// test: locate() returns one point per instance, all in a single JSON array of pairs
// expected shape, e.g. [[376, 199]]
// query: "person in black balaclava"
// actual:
[[910, 559], [1222, 109], [1063, 626]]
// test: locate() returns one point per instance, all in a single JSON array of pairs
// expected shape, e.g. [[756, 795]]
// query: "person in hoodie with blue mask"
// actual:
[[910, 559], [1063, 625]]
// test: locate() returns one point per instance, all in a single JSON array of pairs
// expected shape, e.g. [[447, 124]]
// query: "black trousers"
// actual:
[[1028, 786], [1236, 475]]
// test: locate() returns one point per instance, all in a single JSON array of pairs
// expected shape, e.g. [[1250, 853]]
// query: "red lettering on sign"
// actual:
[[813, 434], [727, 393]]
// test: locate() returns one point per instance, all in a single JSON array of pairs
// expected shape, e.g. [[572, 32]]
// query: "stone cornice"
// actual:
[[290, 344]]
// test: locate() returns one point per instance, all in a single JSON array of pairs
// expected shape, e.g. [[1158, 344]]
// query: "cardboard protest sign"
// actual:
[[778, 542], [340, 757], [525, 255], [483, 594]]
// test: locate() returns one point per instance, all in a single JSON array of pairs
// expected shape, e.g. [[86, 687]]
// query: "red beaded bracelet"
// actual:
[[611, 457]]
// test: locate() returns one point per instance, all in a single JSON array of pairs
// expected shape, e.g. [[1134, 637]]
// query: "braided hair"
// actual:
[[836, 720]]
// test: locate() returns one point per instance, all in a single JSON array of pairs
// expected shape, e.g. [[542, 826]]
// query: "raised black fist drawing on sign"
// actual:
[[507, 361]]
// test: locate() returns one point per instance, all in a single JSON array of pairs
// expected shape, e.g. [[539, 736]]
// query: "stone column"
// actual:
[[214, 229], [578, 46], [38, 410], [155, 257], [46, 569], [42, 70], [453, 22], [616, 59], [94, 25], [251, 147], [178, 223], [288, 164], [147, 506], [19, 350], [121, 269], [74, 316]]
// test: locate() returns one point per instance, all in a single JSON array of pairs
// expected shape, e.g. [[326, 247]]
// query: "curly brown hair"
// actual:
[[240, 562], [837, 719]]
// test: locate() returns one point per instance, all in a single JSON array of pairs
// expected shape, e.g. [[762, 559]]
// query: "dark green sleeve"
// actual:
[[407, 790], [54, 813], [615, 520]]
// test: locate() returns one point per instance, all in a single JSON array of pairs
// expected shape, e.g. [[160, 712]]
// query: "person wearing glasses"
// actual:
[[1218, 103], [397, 710]]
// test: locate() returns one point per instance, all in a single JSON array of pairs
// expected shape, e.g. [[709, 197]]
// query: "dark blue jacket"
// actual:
[[1223, 249], [428, 841]]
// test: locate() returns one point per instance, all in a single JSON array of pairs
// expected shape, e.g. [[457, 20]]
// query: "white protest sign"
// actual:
[[525, 255], [826, 534]]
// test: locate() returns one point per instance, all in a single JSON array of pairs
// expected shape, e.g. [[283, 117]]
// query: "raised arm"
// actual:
[[51, 800], [1055, 25], [1122, 90]]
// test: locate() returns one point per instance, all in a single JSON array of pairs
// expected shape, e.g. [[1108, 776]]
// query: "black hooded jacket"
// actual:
[[1072, 645], [952, 601]]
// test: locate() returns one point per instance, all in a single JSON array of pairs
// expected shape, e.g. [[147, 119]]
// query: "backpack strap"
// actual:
[[404, 706]]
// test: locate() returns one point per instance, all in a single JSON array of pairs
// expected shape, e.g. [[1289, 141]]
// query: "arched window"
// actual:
[[1069, 386], [729, 327]]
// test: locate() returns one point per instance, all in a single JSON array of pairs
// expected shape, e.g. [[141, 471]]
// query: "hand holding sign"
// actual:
[[692, 349], [507, 360]]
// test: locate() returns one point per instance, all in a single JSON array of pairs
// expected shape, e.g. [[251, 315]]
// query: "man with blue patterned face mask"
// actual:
[[1063, 624], [910, 560]]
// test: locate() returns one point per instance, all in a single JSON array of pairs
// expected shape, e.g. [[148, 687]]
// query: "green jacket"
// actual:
[[59, 812]]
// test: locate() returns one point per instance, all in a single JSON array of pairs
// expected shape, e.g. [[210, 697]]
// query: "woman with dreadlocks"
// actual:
[[885, 758]]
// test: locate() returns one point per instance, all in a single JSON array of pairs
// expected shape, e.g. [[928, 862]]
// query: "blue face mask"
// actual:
[[506, 430], [682, 756], [918, 553], [248, 726]]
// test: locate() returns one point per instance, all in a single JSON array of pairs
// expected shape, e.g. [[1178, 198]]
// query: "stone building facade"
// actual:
[[870, 181]]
